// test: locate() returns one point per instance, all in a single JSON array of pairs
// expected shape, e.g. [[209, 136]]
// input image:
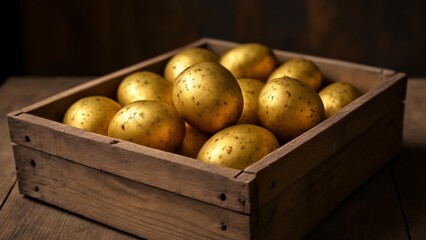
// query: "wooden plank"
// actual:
[[372, 212], [362, 76], [415, 114], [295, 211], [15, 93], [103, 37], [410, 166], [286, 165], [25, 218], [409, 170], [133, 207], [105, 86], [157, 168]]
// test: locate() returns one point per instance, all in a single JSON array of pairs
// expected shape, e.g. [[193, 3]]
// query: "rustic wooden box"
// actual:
[[159, 195]]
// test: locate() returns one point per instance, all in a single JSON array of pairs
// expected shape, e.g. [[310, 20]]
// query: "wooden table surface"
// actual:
[[390, 205]]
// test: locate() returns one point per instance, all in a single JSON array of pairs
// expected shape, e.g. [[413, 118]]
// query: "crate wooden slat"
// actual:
[[160, 195], [161, 169], [296, 210], [131, 206], [300, 156]]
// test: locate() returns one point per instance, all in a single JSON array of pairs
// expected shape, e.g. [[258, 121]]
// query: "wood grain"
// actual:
[[133, 207], [157, 168], [295, 211], [95, 37], [16, 93], [409, 167], [392, 88], [292, 161], [25, 218], [371, 212]]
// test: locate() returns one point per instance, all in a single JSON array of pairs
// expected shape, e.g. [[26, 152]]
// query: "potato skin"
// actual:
[[144, 85], [289, 107], [301, 69], [250, 60], [150, 123], [208, 97], [238, 146], [92, 113], [337, 95], [186, 58], [250, 88], [193, 141]]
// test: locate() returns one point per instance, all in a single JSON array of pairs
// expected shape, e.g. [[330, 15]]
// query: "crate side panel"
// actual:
[[172, 172], [292, 161], [133, 207], [54, 107], [294, 212], [362, 76], [220, 47], [365, 78]]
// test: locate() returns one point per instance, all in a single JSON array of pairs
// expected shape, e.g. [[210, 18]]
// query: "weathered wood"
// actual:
[[364, 77], [409, 167], [105, 86], [409, 171], [169, 171], [16, 93], [371, 212], [295, 211], [108, 35], [292, 161], [415, 114], [285, 193], [134, 207], [24, 218]]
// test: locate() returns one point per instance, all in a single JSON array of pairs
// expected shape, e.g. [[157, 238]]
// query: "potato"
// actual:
[[208, 96], [238, 146], [193, 141], [186, 58], [250, 60], [144, 85], [301, 69], [92, 114], [289, 107], [250, 88], [337, 95], [150, 123]]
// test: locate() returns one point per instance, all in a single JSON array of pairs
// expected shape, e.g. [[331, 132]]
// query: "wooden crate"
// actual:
[[159, 195]]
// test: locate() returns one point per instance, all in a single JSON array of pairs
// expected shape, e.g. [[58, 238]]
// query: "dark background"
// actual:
[[95, 37]]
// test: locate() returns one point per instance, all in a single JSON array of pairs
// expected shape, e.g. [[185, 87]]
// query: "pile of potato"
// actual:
[[230, 110]]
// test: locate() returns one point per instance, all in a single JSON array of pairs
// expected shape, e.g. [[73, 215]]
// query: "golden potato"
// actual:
[[250, 60], [186, 58], [193, 141], [238, 146], [289, 107], [144, 85], [301, 69], [251, 89], [150, 123], [92, 114], [337, 95], [208, 96]]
